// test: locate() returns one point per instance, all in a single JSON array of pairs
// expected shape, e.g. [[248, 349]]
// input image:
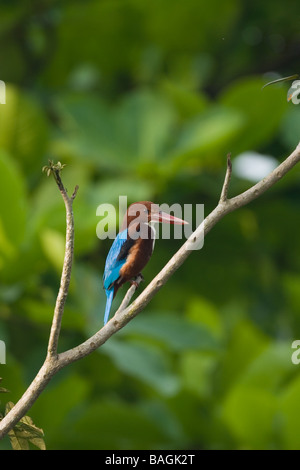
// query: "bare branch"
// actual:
[[67, 266], [50, 365]]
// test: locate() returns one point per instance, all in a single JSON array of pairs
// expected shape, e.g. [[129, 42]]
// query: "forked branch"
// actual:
[[54, 361]]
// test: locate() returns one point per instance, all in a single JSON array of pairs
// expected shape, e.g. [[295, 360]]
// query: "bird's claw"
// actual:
[[137, 280]]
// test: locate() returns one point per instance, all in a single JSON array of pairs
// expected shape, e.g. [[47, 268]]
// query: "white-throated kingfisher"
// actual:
[[133, 247]]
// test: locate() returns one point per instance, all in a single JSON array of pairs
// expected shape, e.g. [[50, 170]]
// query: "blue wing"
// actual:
[[115, 259], [113, 262]]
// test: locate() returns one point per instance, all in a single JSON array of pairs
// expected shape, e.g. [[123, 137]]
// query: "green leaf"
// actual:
[[116, 424], [271, 368], [205, 313], [205, 137], [197, 370], [176, 332], [89, 132], [60, 401], [144, 362], [254, 398], [115, 138], [10, 15], [2, 389], [12, 191], [48, 218], [135, 189], [289, 130], [41, 312], [53, 167], [261, 111], [187, 102], [23, 129], [25, 432], [249, 413], [247, 342], [141, 134], [53, 244], [289, 407]]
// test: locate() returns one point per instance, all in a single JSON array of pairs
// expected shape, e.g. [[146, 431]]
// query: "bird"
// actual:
[[133, 247]]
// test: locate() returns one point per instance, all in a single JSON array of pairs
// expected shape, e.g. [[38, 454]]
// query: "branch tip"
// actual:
[[54, 168], [224, 193], [229, 163], [74, 192]]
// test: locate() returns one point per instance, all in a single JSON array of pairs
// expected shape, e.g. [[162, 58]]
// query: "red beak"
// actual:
[[167, 218]]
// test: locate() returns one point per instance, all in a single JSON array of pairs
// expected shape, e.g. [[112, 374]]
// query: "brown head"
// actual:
[[146, 211]]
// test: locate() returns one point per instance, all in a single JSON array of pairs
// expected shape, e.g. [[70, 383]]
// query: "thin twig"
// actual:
[[51, 365], [74, 192], [224, 193], [130, 293]]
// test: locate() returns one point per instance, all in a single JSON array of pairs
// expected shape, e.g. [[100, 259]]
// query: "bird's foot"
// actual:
[[137, 280]]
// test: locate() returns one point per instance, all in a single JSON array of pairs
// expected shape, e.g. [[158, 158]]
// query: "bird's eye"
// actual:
[[146, 210]]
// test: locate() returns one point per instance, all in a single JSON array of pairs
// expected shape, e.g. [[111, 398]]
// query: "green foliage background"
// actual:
[[145, 98]]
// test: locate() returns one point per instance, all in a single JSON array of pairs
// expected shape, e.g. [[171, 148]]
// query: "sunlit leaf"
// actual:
[[204, 137], [144, 362], [14, 202], [173, 331], [23, 129], [244, 408], [116, 138], [290, 409], [25, 432], [53, 244]]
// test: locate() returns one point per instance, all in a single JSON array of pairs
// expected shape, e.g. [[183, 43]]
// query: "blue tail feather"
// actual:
[[110, 296]]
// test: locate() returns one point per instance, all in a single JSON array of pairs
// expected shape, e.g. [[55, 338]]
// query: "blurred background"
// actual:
[[145, 99]]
